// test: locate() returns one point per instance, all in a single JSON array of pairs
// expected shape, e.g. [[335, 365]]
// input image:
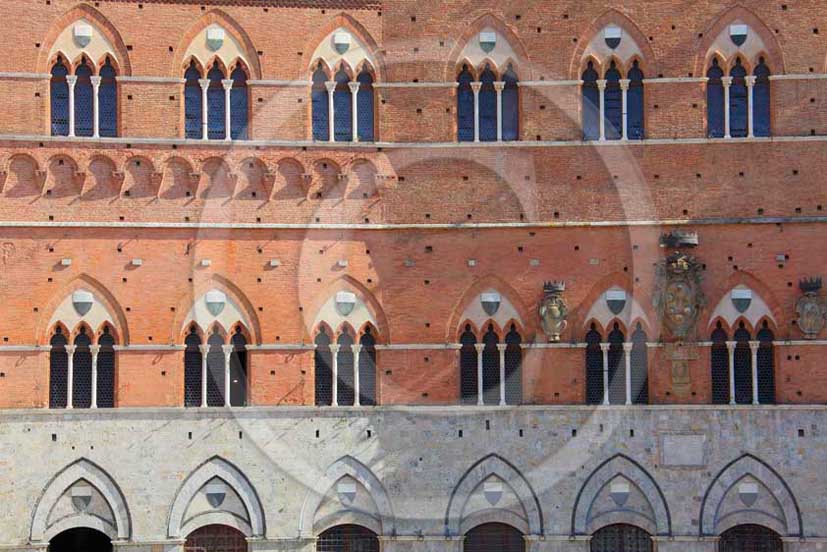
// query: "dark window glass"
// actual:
[[106, 370], [468, 367], [766, 366], [364, 106], [216, 105], [511, 106], [613, 104], [238, 370], [761, 100], [591, 104], [84, 93], [320, 107], [738, 101], [216, 538], [594, 367], [215, 370], [59, 92], [239, 105], [367, 369], [617, 367], [493, 537], [750, 538], [743, 367], [715, 101], [621, 538], [719, 365], [82, 371], [108, 101], [342, 108], [465, 107], [58, 370], [513, 367], [639, 360], [635, 105], [347, 538], [491, 367], [488, 106], [193, 110], [192, 369], [323, 367], [345, 395]]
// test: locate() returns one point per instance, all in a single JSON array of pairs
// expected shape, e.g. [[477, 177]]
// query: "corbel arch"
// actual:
[[363, 47], [591, 44], [236, 45], [56, 498], [469, 308], [468, 50]]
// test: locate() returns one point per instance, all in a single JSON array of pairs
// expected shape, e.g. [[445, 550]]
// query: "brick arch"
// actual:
[[648, 65], [101, 22], [704, 54], [351, 24], [345, 282], [528, 326], [219, 17], [624, 280], [522, 67], [759, 287]]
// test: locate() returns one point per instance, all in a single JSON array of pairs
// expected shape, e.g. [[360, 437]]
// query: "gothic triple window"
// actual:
[[82, 369], [345, 368]]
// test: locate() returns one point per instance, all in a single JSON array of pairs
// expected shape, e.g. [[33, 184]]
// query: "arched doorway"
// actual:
[[621, 538], [80, 539], [493, 537], [750, 538], [347, 538], [216, 538]]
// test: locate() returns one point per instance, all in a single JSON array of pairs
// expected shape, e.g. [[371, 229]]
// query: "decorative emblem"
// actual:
[[748, 493], [346, 491], [341, 42], [616, 300], [488, 39], [738, 33], [619, 491], [215, 300], [216, 493], [741, 299], [81, 497], [493, 491], [82, 34], [679, 238], [811, 308], [679, 296], [612, 35], [490, 302], [82, 300], [345, 302], [553, 310], [215, 38]]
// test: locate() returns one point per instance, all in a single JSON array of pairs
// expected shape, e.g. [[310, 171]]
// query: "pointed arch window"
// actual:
[[511, 106], [342, 107], [738, 104], [742, 366], [591, 103], [365, 106], [345, 365], [367, 369], [216, 104], [323, 362], [84, 102], [761, 100], [465, 106], [82, 371], [108, 101], [594, 367], [490, 367], [613, 104], [513, 367], [239, 105], [617, 366], [192, 368], [639, 362], [715, 100], [106, 370], [719, 366], [193, 106], [319, 105], [238, 369], [766, 365], [215, 369], [488, 106], [635, 103], [58, 370], [468, 366], [59, 96]]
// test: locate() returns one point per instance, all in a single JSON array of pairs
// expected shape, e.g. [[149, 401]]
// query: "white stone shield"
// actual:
[[738, 33], [216, 493], [345, 302], [741, 299], [612, 35], [82, 300], [748, 493], [493, 491], [81, 497], [488, 40], [215, 300], [341, 42], [346, 491], [619, 491], [616, 300], [490, 302], [215, 38], [82, 34]]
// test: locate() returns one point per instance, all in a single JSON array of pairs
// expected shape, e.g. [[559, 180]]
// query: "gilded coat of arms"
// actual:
[[679, 297]]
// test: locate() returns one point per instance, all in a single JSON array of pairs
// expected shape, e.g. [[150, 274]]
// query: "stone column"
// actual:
[[501, 348], [205, 84], [228, 86], [354, 109], [726, 81], [627, 356], [95, 349], [750, 87], [334, 367], [331, 123], [604, 347], [624, 87], [356, 350], [205, 349], [71, 80], [70, 375], [730, 345], [499, 86], [753, 349], [96, 83], [479, 347], [475, 87], [601, 86], [228, 353]]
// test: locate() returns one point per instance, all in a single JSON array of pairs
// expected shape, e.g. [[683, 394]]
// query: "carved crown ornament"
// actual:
[[553, 310]]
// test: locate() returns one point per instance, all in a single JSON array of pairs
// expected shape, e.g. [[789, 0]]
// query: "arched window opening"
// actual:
[[215, 369], [192, 368], [468, 366], [715, 100], [106, 370], [216, 104], [743, 366], [216, 538], [634, 103], [82, 371], [364, 106], [345, 395], [613, 103], [319, 105], [750, 538], [738, 104], [347, 538], [323, 361], [58, 370], [488, 106], [59, 96], [639, 361], [465, 106], [621, 538], [193, 107], [594, 367], [238, 369], [511, 106], [342, 108], [766, 365], [84, 100], [513, 367], [493, 537], [719, 366], [108, 101], [761, 100], [617, 367], [80, 538], [490, 367], [367, 369], [591, 104], [239, 105]]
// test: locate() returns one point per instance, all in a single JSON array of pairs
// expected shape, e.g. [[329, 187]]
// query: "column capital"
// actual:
[[95, 349], [479, 347], [754, 345], [605, 346], [354, 86], [356, 348], [334, 348], [601, 84], [627, 347], [475, 87], [96, 80], [501, 347], [499, 85], [726, 81], [227, 83], [228, 349], [205, 83], [71, 349], [624, 84], [71, 79], [750, 80], [731, 345], [331, 86], [204, 349]]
